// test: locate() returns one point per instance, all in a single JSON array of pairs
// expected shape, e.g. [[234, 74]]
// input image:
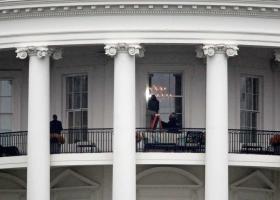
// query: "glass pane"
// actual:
[[249, 102], [175, 84], [178, 105], [5, 88], [5, 123], [70, 120], [77, 101], [160, 84], [243, 85], [84, 100], [256, 102], [84, 84], [5, 104], [256, 85], [69, 103], [248, 120], [77, 84], [179, 119], [249, 85], [69, 85], [243, 101], [85, 119], [78, 119], [242, 119], [164, 105], [254, 120]]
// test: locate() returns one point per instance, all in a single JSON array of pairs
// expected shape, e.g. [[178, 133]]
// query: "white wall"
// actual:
[[92, 61]]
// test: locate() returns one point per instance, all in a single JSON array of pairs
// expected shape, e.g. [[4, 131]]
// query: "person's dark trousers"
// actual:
[[55, 148]]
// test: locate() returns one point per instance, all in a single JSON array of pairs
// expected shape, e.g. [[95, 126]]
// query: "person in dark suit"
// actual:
[[152, 109], [55, 130], [171, 125]]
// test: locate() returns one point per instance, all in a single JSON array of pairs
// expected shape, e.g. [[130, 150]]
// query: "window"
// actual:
[[167, 87], [6, 113], [77, 104], [249, 105]]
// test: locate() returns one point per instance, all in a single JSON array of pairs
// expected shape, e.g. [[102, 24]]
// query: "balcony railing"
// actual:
[[84, 141], [171, 140], [147, 140], [13, 143], [254, 142]]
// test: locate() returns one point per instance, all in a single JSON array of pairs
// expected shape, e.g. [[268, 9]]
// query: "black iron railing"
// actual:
[[147, 140], [254, 141], [176, 140], [13, 143], [83, 141]]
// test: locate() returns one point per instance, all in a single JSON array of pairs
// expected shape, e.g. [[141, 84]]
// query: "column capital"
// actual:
[[212, 49], [40, 52], [276, 54], [132, 49]]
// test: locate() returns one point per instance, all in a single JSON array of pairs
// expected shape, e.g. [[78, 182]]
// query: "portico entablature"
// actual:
[[83, 22]]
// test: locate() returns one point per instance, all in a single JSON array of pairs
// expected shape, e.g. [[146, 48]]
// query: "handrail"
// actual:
[[98, 140], [13, 143], [170, 140]]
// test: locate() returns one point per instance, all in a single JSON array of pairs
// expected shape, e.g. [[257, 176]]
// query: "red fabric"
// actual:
[[156, 121]]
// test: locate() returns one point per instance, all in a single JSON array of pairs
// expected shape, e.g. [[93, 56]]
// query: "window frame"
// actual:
[[250, 135], [182, 96], [12, 113], [260, 102], [67, 110]]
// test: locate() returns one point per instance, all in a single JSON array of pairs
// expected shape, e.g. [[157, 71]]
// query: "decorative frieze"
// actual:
[[142, 9], [212, 49], [131, 49], [40, 52]]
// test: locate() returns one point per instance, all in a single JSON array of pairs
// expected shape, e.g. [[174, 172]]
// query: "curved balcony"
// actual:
[[254, 142], [13, 143], [170, 140], [97, 140], [191, 140]]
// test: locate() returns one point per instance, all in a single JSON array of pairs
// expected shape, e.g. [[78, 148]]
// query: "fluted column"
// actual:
[[38, 164], [124, 165], [216, 156]]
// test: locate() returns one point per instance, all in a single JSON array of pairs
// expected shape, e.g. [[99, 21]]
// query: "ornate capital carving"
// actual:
[[131, 49], [212, 49], [199, 52], [277, 55], [40, 52]]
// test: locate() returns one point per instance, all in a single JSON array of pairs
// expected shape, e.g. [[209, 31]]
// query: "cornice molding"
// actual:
[[88, 9]]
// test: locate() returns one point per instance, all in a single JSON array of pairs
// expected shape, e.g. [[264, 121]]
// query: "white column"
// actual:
[[38, 166], [216, 157], [124, 165]]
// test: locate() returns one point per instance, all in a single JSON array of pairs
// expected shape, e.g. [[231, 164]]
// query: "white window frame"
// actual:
[[83, 134], [182, 88], [12, 102], [259, 112]]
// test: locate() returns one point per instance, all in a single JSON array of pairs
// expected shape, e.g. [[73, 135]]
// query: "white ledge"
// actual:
[[84, 159], [253, 160]]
